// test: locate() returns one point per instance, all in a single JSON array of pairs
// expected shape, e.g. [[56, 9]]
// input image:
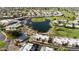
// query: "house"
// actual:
[[26, 47], [6, 22], [57, 13], [20, 18], [69, 25], [74, 23], [77, 18], [60, 22], [40, 38], [10, 24], [13, 26], [71, 42]]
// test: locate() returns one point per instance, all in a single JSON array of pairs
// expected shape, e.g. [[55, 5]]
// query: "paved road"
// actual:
[[72, 48], [2, 37]]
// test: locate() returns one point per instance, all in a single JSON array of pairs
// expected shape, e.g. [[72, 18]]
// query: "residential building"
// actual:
[[13, 27], [6, 22], [26, 47], [40, 38]]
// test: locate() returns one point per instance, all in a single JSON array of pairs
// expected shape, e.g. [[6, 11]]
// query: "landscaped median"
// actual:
[[4, 35]]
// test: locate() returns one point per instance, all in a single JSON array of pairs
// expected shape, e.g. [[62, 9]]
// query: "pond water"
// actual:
[[41, 26]]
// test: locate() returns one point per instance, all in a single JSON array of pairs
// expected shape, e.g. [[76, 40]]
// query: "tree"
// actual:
[[13, 34], [73, 25]]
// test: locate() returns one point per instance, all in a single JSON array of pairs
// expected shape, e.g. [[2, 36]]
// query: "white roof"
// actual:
[[3, 21], [46, 49], [7, 21], [14, 25], [77, 18], [65, 40], [43, 37], [27, 47], [57, 13]]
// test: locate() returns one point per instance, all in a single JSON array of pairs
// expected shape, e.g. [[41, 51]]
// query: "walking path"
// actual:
[[3, 36]]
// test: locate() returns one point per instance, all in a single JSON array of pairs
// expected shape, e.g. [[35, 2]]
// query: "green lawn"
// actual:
[[9, 36], [39, 19], [66, 32], [2, 44]]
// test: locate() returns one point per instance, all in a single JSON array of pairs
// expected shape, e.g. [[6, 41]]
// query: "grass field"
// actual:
[[10, 36], [2, 44], [39, 19], [66, 32]]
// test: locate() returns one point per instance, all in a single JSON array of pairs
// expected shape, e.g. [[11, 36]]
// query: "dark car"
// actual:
[[35, 47]]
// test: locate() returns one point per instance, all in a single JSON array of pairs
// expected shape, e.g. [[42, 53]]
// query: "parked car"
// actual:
[[34, 47]]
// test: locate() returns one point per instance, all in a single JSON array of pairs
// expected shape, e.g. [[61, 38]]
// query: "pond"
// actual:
[[41, 26]]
